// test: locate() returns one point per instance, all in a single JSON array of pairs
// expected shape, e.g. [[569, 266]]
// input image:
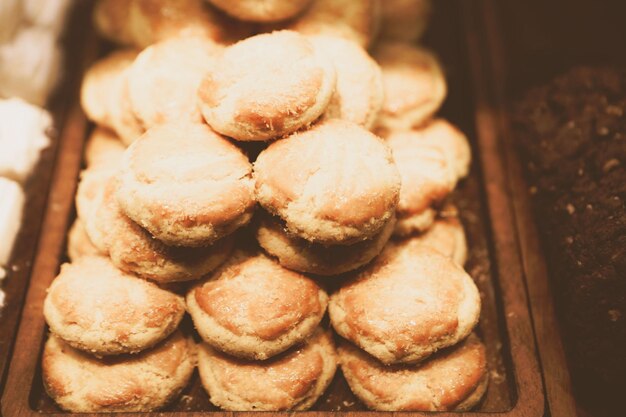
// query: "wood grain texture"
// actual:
[[516, 387]]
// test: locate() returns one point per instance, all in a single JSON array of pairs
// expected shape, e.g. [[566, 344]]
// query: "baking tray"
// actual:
[[36, 190], [516, 387]]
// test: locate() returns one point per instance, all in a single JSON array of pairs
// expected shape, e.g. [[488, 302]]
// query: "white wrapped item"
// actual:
[[11, 204], [22, 137], [10, 18], [49, 14], [29, 65]]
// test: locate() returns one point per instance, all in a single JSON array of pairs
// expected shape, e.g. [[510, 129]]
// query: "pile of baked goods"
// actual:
[[248, 155]]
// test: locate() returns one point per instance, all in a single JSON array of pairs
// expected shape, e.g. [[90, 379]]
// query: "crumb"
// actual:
[[614, 314]]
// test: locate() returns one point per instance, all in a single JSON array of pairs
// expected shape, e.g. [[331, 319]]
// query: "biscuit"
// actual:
[[123, 121], [428, 177], [335, 183], [455, 379], [253, 308], [356, 20], [291, 381], [133, 250], [141, 23], [147, 381], [164, 79], [89, 199], [78, 243], [266, 86], [414, 83], [446, 236], [301, 255], [404, 20], [408, 303], [359, 91], [186, 185], [452, 141], [103, 147], [95, 307], [263, 10], [101, 82]]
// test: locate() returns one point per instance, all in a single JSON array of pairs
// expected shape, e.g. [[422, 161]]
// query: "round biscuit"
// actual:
[[163, 81], [301, 255], [134, 250], [335, 183], [147, 381], [428, 177], [414, 83], [95, 307], [291, 381], [253, 308], [266, 86], [453, 380], [186, 185], [359, 92], [408, 303]]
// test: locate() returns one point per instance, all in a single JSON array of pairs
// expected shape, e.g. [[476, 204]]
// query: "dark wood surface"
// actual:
[[530, 43], [516, 387]]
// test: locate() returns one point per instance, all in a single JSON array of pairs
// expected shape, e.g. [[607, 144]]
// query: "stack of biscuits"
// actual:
[[247, 153]]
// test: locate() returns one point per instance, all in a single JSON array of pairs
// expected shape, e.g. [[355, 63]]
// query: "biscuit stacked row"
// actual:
[[167, 215]]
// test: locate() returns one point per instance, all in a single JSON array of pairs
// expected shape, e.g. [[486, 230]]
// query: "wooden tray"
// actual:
[[516, 387]]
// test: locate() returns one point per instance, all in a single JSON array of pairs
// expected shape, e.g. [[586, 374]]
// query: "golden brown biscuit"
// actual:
[[301, 255], [456, 379], [143, 22], [103, 147], [163, 81], [266, 86], [359, 92], [261, 10], [291, 381], [451, 140], [356, 20], [335, 183], [404, 20], [253, 308], [428, 177], [186, 185], [101, 84], [414, 83], [89, 198], [407, 304], [123, 121], [446, 235], [95, 307], [147, 381], [78, 243], [133, 250]]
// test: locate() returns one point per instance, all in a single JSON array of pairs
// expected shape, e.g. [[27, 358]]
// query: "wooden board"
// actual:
[[516, 387]]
